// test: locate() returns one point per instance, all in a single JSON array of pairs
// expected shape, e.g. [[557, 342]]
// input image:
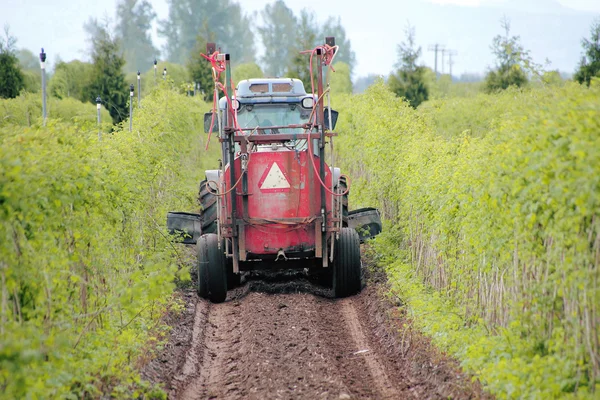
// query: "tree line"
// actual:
[[121, 47]]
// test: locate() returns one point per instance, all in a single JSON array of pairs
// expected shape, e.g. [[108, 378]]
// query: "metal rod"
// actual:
[[98, 107], [232, 177], [139, 79], [43, 65], [130, 107], [321, 125]]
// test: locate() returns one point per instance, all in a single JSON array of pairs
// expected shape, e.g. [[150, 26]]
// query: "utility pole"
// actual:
[[43, 66], [451, 53], [436, 48]]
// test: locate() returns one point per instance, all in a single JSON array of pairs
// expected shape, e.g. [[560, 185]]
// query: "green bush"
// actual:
[[26, 110], [86, 266], [492, 203]]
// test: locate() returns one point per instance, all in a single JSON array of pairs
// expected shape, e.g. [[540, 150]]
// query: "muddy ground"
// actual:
[[283, 337]]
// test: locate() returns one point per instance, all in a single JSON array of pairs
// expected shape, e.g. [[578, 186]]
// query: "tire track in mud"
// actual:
[[304, 346]]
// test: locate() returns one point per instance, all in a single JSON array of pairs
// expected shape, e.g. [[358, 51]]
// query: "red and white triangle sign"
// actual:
[[274, 179]]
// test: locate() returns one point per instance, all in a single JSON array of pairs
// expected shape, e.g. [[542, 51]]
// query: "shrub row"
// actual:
[[493, 203]]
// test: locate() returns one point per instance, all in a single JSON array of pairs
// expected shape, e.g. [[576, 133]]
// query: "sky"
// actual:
[[551, 29]]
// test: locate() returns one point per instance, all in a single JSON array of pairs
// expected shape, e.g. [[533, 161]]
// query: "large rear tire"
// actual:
[[212, 274], [208, 213], [347, 268]]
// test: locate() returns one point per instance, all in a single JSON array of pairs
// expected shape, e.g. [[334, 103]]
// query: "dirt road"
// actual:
[[279, 345]]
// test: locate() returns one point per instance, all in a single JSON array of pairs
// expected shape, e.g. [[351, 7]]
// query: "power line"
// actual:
[[436, 48]]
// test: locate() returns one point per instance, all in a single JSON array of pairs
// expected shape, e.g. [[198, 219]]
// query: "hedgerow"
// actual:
[[86, 266], [26, 110], [493, 216]]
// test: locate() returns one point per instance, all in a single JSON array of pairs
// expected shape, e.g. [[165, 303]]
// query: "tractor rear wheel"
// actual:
[[347, 269], [208, 213], [212, 275]]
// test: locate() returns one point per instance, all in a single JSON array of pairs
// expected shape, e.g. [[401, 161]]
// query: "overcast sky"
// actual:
[[551, 29]]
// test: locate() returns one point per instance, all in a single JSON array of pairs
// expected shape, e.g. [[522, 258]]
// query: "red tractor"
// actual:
[[274, 203]]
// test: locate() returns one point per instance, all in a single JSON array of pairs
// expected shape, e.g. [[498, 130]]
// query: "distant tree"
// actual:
[[340, 79], [30, 66], [409, 79], [511, 59], [107, 78], [363, 82], [246, 71], [590, 64], [134, 24], [222, 18], [11, 77], [200, 70], [307, 39], [28, 60], [333, 27], [71, 80], [278, 33]]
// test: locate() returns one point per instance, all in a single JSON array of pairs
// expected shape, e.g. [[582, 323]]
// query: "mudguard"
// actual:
[[366, 221]]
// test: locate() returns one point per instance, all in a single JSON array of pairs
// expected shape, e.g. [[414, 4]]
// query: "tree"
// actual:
[[306, 39], [511, 59], [590, 63], [278, 32], [200, 70], [221, 18], [340, 79], [409, 79], [246, 71], [30, 67], [333, 27], [11, 77], [71, 80], [134, 23], [107, 78]]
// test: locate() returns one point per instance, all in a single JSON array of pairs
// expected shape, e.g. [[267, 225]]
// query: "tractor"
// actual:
[[274, 203]]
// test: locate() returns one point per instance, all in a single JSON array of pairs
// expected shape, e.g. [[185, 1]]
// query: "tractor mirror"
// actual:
[[208, 118], [334, 117]]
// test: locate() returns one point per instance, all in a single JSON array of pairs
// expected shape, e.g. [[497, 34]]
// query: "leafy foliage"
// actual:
[[71, 80], [87, 269], [26, 110], [200, 70], [510, 56], [493, 225], [409, 79], [307, 31], [107, 79], [246, 71], [11, 77], [590, 65]]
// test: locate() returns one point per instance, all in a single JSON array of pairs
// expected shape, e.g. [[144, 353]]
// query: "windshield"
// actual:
[[261, 115]]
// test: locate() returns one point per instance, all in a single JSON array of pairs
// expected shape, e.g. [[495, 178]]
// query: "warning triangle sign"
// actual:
[[274, 180]]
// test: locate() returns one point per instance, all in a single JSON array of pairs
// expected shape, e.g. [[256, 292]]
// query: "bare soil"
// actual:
[[283, 337]]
